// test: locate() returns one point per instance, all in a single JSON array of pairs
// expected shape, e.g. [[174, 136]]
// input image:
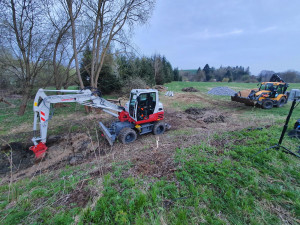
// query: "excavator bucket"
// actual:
[[39, 150], [109, 137]]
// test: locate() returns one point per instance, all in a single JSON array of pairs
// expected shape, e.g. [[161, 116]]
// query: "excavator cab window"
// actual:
[[280, 89], [133, 99], [262, 87], [267, 87], [146, 105]]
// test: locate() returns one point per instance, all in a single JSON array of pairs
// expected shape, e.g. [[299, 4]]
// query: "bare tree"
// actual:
[[112, 20], [60, 23], [27, 36]]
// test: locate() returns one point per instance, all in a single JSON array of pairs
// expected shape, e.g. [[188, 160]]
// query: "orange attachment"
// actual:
[[39, 150]]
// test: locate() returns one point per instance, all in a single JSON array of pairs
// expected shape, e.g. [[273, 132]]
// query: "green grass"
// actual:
[[41, 200], [214, 185], [235, 186], [206, 86]]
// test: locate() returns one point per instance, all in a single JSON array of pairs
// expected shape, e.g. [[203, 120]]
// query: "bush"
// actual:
[[133, 83]]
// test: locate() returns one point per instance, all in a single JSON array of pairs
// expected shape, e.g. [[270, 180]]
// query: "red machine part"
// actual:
[[39, 150], [152, 118], [124, 116]]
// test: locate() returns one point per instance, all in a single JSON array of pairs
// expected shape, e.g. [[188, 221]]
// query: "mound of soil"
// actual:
[[195, 118], [190, 89], [196, 111], [205, 115], [160, 88], [214, 119]]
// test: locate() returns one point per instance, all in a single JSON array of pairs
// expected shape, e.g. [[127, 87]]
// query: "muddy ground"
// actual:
[[150, 155]]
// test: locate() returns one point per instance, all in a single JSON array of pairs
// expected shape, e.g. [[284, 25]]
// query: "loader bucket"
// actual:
[[242, 96], [244, 100], [109, 137]]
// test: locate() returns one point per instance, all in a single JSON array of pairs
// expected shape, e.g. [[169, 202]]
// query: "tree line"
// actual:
[[38, 36], [223, 74], [235, 74]]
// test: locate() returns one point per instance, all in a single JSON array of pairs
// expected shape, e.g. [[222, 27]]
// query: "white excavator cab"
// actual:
[[143, 103]]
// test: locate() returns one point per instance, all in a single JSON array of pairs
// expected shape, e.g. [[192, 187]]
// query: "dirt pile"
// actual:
[[196, 111], [214, 119], [160, 88], [205, 115], [223, 91], [195, 118], [189, 89]]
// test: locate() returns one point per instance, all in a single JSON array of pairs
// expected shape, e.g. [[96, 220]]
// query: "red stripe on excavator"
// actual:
[[42, 118], [42, 113]]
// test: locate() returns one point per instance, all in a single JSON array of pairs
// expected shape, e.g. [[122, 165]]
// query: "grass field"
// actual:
[[196, 173]]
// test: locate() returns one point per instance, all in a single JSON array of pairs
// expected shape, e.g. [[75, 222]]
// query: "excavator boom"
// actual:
[[42, 114]]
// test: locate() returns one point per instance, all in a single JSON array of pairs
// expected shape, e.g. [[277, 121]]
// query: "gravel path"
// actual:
[[225, 91]]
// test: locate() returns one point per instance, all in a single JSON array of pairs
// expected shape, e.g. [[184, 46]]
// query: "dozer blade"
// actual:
[[107, 134], [244, 100]]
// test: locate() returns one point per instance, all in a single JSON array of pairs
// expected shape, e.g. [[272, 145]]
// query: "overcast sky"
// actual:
[[261, 34]]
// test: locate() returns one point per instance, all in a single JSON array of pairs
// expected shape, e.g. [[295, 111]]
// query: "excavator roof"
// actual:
[[143, 90]]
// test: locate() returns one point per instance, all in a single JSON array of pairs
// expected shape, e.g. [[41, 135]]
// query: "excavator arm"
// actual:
[[42, 110]]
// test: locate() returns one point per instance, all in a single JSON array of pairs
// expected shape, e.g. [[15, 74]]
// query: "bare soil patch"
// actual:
[[79, 197], [60, 148], [154, 163], [196, 111], [195, 118], [189, 89], [20, 158]]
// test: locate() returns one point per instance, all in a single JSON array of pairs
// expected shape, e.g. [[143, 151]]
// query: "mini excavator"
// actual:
[[142, 114]]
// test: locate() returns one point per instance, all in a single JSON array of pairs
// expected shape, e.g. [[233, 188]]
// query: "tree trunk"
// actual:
[[24, 101], [70, 4]]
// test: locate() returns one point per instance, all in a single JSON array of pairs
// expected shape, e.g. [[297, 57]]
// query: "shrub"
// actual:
[[133, 83]]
